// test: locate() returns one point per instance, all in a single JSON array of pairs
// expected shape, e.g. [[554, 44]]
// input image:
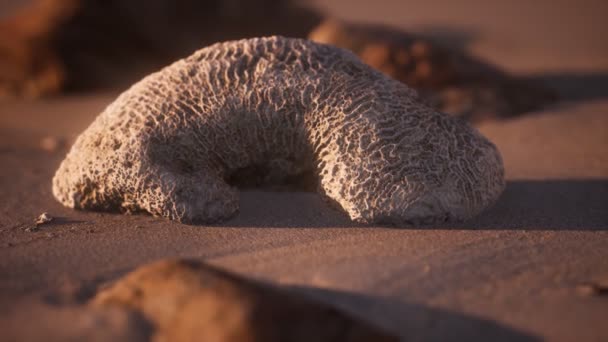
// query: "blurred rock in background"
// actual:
[[452, 80], [56, 45], [52, 46]]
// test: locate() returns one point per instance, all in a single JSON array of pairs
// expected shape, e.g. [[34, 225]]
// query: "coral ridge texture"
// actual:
[[285, 107]]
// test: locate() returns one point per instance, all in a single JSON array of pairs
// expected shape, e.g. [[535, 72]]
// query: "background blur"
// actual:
[[533, 267], [475, 59], [524, 36]]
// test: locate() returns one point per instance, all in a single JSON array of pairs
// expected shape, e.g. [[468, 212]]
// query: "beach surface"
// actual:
[[533, 267]]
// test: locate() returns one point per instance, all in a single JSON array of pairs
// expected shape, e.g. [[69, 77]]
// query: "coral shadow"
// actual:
[[574, 87], [577, 205], [547, 205], [455, 39]]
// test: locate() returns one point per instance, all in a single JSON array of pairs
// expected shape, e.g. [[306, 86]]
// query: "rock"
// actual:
[[592, 290], [43, 219], [190, 301], [52, 46], [37, 321], [29, 65], [286, 107], [436, 71], [51, 144]]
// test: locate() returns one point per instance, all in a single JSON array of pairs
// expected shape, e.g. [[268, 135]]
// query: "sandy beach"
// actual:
[[518, 272]]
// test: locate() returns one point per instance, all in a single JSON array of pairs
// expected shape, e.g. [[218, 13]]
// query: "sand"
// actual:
[[517, 272]]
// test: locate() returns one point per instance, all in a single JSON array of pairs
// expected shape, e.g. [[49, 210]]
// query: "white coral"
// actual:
[[168, 144]]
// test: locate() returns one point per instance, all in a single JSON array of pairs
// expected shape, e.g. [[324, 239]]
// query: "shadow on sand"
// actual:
[[574, 87], [415, 322], [525, 205], [547, 205], [568, 86]]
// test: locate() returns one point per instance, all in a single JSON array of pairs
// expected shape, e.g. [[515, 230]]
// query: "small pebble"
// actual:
[[592, 290], [50, 144], [44, 218], [32, 229]]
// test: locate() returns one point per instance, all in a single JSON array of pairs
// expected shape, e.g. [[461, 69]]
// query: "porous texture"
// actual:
[[283, 107], [454, 82], [190, 301]]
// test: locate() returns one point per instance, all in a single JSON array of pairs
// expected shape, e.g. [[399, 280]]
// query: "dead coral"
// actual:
[[168, 144]]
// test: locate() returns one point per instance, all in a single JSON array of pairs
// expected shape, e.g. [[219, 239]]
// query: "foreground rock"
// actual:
[[190, 301], [453, 81], [33, 320]]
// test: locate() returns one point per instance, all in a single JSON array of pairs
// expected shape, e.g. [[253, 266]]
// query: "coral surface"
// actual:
[[282, 107]]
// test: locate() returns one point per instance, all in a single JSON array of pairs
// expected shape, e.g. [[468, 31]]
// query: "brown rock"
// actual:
[[56, 45], [420, 49], [401, 55], [484, 91], [38, 321], [29, 66], [51, 144], [376, 54], [592, 289], [188, 301]]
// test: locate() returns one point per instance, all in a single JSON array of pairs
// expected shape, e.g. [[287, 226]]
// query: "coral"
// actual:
[[283, 106]]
